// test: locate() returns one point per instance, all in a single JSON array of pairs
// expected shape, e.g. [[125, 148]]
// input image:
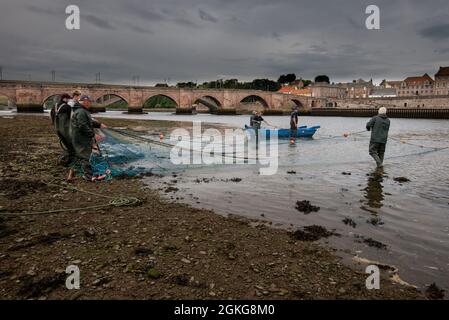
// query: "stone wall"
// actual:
[[432, 102]]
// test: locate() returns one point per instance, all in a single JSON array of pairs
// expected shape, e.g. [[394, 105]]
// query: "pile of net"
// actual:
[[119, 157]]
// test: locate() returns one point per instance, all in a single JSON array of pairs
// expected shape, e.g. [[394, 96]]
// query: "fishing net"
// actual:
[[117, 157]]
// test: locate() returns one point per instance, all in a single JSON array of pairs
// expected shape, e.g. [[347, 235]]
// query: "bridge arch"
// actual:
[[149, 99], [10, 97], [295, 103], [253, 99], [208, 101], [111, 100], [51, 100], [160, 100]]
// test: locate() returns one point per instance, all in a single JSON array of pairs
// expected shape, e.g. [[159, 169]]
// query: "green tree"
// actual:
[[287, 78], [189, 84], [322, 78]]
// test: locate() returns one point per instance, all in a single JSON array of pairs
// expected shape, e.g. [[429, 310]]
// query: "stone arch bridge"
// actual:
[[31, 96]]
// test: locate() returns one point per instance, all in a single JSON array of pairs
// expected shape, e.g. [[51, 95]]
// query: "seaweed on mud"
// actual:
[[181, 280], [433, 292], [34, 289], [171, 189], [4, 274], [349, 222], [306, 207], [143, 251], [46, 239], [312, 233], [15, 189], [371, 242], [4, 230], [375, 221], [374, 243], [401, 179]]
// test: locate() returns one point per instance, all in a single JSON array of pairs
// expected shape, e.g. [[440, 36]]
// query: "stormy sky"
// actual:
[[188, 40]]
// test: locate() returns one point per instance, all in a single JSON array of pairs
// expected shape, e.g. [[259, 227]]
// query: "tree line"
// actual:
[[256, 84]]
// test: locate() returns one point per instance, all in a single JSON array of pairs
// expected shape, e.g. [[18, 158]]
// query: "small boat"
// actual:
[[302, 132]]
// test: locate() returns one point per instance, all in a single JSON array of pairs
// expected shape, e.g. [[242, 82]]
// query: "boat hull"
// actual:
[[302, 132]]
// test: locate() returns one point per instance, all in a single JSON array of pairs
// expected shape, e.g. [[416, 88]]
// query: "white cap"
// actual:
[[383, 110]]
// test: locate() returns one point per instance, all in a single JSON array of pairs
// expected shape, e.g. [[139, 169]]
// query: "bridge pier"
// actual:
[[135, 109], [29, 107], [97, 108]]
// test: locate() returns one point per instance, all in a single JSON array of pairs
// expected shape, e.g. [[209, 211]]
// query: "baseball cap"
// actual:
[[85, 97]]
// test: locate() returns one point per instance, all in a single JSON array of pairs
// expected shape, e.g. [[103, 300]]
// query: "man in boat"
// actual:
[[258, 119], [379, 126], [60, 115], [83, 135], [293, 125]]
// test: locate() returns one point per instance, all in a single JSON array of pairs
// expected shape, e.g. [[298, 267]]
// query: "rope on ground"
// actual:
[[120, 201]]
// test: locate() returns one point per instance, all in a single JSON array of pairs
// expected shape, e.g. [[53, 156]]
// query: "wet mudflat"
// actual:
[[157, 249], [397, 215]]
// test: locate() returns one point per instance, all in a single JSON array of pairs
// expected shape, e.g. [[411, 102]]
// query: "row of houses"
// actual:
[[360, 89]]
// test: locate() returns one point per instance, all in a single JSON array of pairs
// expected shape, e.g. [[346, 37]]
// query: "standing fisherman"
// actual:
[[60, 115], [293, 125], [251, 119], [379, 127], [257, 120], [83, 135]]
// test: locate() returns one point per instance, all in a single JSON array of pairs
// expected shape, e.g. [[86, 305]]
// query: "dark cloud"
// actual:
[[98, 22], [436, 32], [198, 40], [143, 12], [207, 16]]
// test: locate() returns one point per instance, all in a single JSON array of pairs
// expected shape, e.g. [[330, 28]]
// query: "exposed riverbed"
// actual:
[[394, 221]]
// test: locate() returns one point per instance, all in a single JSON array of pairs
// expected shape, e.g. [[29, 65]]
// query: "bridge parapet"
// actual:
[[31, 95]]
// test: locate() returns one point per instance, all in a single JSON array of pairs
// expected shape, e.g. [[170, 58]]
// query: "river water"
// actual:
[[337, 174]]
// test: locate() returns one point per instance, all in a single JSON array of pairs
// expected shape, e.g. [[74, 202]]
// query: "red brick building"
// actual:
[[417, 86]]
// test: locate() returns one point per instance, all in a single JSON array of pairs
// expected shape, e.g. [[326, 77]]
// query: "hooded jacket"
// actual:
[[82, 131], [379, 126]]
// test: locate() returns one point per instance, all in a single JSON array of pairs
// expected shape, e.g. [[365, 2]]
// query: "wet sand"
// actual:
[[157, 249]]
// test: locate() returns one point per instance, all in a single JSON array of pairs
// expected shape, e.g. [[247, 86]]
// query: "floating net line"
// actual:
[[130, 153]]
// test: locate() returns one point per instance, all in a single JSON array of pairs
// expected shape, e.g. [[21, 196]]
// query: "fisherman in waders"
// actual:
[[251, 119], [379, 127], [60, 116], [256, 123], [83, 135], [293, 125]]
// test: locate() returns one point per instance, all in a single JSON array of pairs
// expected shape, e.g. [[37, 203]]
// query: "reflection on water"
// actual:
[[374, 195], [374, 189]]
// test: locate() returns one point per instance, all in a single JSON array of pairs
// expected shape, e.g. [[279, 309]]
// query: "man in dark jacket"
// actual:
[[293, 125], [379, 127], [60, 116], [83, 135]]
